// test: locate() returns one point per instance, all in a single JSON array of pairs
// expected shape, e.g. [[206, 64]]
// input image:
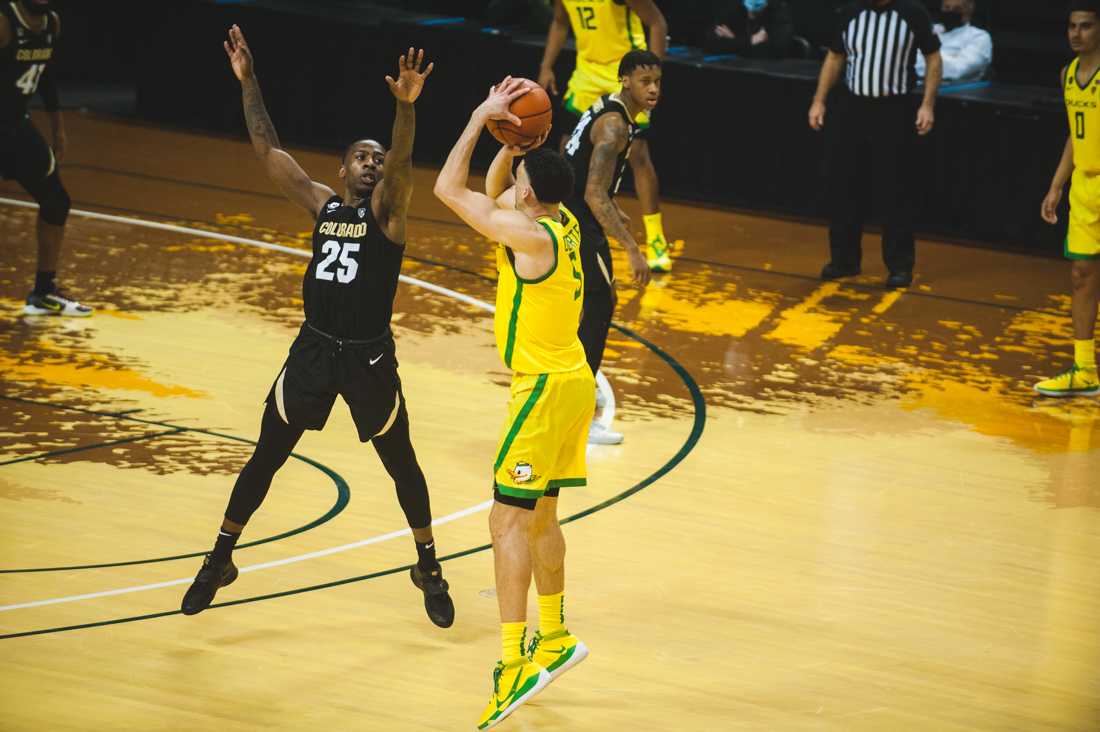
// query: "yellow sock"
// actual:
[[653, 227], [1084, 354], [551, 613], [512, 637]]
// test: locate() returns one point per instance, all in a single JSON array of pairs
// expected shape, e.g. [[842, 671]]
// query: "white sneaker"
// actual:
[[601, 400], [600, 435], [55, 303]]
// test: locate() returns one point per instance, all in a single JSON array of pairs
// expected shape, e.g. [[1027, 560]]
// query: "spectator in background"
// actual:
[[967, 51], [758, 28]]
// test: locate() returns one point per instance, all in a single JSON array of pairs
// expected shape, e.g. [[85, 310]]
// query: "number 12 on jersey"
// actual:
[[587, 17], [333, 251]]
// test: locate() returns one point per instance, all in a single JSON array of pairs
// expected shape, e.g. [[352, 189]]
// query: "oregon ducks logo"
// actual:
[[523, 473]]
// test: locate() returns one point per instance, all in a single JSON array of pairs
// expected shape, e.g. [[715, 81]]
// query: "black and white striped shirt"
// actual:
[[880, 40]]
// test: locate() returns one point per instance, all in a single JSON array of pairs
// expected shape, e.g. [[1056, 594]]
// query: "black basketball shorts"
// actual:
[[319, 367], [599, 273], [24, 154]]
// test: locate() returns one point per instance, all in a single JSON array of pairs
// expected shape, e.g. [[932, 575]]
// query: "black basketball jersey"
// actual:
[[578, 151], [24, 61], [351, 281]]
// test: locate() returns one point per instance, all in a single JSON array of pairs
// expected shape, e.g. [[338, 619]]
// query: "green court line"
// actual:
[[689, 444], [343, 491]]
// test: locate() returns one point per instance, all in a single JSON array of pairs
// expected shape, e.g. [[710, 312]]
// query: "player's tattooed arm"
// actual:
[[397, 186], [281, 167], [610, 136]]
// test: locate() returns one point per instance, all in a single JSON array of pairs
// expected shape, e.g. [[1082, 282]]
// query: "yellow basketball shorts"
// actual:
[[1083, 237], [542, 445], [585, 87]]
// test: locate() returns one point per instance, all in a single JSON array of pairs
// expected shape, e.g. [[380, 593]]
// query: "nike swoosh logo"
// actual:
[[510, 695], [376, 359]]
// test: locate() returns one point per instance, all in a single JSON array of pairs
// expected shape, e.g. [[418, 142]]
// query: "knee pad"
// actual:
[[53, 201]]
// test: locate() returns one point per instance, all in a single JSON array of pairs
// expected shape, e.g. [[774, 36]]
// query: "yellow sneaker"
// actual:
[[1073, 382], [557, 652], [513, 685], [659, 259]]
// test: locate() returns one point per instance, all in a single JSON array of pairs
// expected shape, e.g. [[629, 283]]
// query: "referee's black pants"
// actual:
[[871, 158]]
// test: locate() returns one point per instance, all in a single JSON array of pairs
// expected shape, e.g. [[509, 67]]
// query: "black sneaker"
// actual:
[[206, 584], [56, 303], [835, 271], [437, 603], [899, 280]]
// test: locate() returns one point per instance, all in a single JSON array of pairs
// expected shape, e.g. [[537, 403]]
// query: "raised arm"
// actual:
[[555, 41], [508, 227], [500, 181], [392, 205], [610, 137], [281, 167], [648, 12]]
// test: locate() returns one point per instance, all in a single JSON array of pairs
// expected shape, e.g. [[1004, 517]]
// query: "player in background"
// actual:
[[607, 30], [29, 32], [1081, 157]]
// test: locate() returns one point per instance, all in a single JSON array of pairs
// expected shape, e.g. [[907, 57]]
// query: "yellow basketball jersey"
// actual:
[[606, 30], [536, 320], [1083, 109]]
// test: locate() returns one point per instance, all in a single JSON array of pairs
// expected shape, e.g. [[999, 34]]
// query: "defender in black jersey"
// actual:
[[29, 30], [345, 346], [598, 150]]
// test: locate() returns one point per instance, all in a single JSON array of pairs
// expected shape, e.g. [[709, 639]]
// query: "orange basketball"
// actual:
[[536, 113]]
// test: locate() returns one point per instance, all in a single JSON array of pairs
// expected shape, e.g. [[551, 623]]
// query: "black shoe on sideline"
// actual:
[[834, 272], [437, 603], [898, 280], [207, 582]]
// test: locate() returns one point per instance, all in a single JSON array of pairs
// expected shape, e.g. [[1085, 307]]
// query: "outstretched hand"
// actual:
[[240, 57], [409, 82], [496, 105]]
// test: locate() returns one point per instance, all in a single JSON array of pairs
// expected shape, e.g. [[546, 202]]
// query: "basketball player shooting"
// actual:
[[540, 288], [345, 347]]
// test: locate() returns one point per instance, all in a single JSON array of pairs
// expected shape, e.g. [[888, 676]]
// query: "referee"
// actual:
[[873, 132]]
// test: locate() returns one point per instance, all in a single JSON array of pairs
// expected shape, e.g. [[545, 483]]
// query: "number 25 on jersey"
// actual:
[[333, 251]]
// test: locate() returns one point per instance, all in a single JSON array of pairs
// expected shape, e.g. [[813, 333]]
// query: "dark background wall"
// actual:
[[729, 133]]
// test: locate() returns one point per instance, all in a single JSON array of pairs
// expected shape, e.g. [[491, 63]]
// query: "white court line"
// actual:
[[252, 567], [601, 382]]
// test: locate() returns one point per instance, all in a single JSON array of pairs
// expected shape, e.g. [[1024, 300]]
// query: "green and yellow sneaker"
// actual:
[[1075, 381], [513, 684], [659, 259], [557, 652]]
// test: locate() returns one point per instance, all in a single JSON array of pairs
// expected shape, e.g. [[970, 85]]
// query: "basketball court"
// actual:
[[837, 507]]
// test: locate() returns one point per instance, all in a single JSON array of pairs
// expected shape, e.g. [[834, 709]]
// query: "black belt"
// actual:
[[350, 342]]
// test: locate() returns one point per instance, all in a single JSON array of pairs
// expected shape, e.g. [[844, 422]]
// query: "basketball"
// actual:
[[536, 113]]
